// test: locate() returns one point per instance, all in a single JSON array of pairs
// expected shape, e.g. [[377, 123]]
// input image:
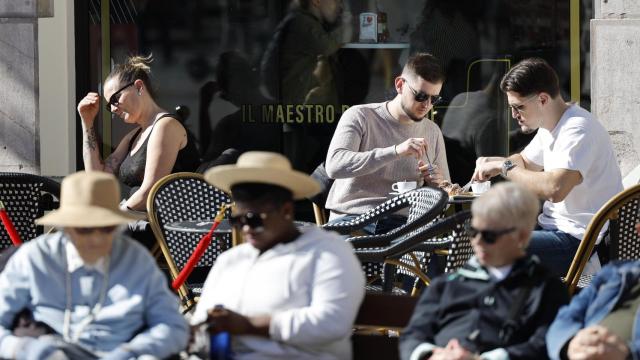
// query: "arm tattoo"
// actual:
[[92, 142]]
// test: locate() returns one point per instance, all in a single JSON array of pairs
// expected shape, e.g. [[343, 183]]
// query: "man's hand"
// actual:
[[431, 173], [487, 167], [597, 343], [415, 147], [88, 108], [453, 351], [221, 319]]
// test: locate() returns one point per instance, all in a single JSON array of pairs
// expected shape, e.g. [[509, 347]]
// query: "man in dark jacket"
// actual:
[[500, 304]]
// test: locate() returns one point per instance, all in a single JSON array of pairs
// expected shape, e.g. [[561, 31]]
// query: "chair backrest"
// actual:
[[424, 204], [622, 213], [444, 236], [460, 250], [318, 200], [26, 198], [186, 197]]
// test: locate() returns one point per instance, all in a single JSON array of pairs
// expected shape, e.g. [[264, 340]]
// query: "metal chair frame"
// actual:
[[622, 213], [447, 235], [209, 201]]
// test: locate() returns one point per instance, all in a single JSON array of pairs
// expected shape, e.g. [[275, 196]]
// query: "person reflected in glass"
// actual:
[[310, 29]]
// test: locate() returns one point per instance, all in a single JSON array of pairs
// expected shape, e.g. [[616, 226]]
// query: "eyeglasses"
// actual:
[[488, 236], [519, 108], [89, 230], [114, 100], [253, 220], [421, 96]]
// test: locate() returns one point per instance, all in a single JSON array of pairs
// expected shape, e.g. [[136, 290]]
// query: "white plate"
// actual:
[[394, 193]]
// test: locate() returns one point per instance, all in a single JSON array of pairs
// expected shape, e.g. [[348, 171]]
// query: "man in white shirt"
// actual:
[[286, 293], [570, 162]]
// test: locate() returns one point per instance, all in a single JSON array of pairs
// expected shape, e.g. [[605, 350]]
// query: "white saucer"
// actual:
[[394, 193]]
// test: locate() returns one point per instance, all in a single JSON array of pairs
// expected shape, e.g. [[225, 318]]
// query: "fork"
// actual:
[[430, 166]]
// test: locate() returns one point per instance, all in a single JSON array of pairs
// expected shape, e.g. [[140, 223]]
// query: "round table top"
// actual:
[[203, 226]]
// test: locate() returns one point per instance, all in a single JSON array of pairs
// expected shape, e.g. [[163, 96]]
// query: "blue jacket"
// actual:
[[592, 304]]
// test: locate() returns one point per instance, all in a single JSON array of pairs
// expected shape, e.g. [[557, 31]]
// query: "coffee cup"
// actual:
[[480, 187], [403, 186]]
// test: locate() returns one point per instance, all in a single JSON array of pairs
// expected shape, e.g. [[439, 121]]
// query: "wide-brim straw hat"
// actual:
[[88, 199], [266, 168]]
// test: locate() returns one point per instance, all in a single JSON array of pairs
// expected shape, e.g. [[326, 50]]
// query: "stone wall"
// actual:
[[615, 76], [19, 136]]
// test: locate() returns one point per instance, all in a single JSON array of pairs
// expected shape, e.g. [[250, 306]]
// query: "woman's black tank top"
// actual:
[[131, 171]]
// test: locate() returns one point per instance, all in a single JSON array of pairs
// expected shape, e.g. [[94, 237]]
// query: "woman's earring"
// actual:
[[139, 92]]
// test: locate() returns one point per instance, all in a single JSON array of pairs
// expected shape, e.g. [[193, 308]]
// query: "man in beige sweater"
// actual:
[[376, 145]]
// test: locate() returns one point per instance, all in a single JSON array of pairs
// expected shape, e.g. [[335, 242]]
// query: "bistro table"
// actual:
[[203, 227], [462, 199]]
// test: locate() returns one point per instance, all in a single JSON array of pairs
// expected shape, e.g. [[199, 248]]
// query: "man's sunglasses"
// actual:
[[519, 108], [253, 220], [89, 230], [488, 236], [114, 100], [421, 96]]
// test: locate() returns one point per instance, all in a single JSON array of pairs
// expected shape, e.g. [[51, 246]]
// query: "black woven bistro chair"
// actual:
[[411, 252], [26, 197], [424, 205], [186, 197], [622, 212]]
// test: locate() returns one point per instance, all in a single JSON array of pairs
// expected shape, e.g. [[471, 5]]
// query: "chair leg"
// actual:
[[388, 277]]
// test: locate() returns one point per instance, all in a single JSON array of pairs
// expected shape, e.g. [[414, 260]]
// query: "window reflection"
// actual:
[[209, 56]]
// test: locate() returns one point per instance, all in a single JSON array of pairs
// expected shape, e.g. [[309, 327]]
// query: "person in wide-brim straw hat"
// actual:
[[90, 288], [293, 283]]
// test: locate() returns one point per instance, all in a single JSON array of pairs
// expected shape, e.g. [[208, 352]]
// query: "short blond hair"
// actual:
[[508, 203]]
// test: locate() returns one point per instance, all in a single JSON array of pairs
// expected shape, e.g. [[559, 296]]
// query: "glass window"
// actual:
[[275, 75]]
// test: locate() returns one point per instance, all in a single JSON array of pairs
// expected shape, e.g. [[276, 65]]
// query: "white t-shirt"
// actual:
[[312, 288], [578, 142]]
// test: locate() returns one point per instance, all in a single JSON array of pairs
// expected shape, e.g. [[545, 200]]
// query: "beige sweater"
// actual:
[[363, 162]]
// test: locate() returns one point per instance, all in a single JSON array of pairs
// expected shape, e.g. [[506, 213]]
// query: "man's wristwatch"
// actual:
[[506, 166]]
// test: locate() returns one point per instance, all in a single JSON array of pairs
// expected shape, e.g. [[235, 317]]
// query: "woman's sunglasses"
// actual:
[[488, 236], [421, 96], [253, 220], [114, 100], [100, 229]]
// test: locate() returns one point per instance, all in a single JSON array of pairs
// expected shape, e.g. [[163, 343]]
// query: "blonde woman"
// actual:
[[158, 146]]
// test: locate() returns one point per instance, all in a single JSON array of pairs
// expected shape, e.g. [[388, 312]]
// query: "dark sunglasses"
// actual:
[[253, 220], [488, 236], [89, 230], [114, 100], [421, 96]]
